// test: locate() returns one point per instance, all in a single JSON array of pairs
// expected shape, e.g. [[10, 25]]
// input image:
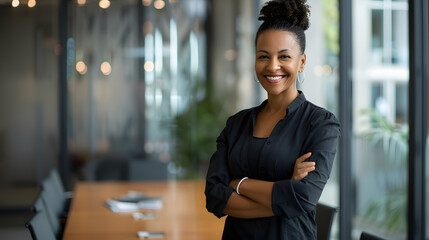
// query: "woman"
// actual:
[[272, 161]]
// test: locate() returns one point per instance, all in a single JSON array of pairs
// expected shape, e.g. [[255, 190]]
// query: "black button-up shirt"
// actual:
[[305, 128]]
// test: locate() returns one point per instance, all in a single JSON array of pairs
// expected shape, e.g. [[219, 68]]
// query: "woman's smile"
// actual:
[[274, 78]]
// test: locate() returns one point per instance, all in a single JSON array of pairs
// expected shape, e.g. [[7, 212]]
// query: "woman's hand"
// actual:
[[302, 168]]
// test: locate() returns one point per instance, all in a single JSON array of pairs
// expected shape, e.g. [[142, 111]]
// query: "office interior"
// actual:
[[139, 90]]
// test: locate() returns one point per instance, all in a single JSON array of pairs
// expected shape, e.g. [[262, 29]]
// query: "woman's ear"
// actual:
[[303, 61]]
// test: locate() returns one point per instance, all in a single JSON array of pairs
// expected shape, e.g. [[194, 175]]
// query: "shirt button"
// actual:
[[269, 142]]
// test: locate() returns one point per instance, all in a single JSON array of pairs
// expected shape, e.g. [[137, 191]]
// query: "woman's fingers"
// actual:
[[302, 173], [302, 168], [305, 164], [303, 157]]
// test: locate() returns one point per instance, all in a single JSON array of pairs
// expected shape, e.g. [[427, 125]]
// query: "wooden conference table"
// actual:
[[183, 215]]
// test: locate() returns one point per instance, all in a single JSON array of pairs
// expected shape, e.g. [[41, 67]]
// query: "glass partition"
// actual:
[[29, 48], [380, 115], [135, 68]]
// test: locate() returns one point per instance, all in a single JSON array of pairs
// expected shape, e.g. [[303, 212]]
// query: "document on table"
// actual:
[[134, 202]]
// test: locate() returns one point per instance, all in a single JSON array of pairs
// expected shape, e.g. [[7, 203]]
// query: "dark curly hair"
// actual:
[[287, 15]]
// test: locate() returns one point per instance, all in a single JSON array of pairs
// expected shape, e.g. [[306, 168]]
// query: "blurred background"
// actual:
[[140, 89]]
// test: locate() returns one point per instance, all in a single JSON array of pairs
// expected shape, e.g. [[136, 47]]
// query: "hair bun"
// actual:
[[295, 12]]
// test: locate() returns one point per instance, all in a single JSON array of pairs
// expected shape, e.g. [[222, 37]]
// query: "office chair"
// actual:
[[53, 206], [368, 236], [63, 196], [107, 169], [39, 227], [38, 204], [324, 219], [147, 170]]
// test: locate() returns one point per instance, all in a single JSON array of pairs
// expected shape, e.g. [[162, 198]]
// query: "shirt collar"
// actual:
[[293, 106]]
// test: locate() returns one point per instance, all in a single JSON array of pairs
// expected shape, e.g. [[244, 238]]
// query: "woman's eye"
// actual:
[[284, 57], [263, 57]]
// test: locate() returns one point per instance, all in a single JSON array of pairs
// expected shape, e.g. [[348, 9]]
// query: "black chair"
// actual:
[[43, 204], [369, 236], [39, 204], [60, 192], [54, 206], [324, 218], [107, 169], [147, 170], [39, 227]]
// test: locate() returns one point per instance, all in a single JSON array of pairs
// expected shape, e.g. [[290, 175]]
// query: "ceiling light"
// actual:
[[15, 3], [159, 4], [31, 3], [104, 4], [105, 68]]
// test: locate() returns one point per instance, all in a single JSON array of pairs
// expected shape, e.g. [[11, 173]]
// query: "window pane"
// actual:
[[400, 37], [380, 131], [377, 37], [135, 72]]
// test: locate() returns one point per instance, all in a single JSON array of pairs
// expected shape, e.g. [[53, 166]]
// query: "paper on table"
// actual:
[[148, 204], [143, 216], [144, 234]]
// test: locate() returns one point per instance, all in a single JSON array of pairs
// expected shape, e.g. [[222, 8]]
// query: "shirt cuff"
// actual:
[[284, 202]]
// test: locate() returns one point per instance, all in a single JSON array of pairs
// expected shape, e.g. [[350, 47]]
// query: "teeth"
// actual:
[[274, 78]]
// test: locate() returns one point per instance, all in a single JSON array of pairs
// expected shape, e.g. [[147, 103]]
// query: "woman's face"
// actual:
[[278, 60]]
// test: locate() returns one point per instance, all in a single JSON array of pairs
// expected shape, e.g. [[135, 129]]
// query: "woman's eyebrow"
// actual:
[[281, 51], [263, 51]]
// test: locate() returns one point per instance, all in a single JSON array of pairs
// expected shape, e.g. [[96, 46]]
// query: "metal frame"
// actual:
[[63, 161], [418, 30], [345, 115]]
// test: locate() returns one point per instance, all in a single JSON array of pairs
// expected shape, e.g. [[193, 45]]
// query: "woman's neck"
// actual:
[[279, 103]]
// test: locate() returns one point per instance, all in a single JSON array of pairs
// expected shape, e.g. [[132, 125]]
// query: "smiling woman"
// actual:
[[278, 61], [273, 161]]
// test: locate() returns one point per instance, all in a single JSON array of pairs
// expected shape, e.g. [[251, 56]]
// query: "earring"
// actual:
[[301, 77], [255, 78]]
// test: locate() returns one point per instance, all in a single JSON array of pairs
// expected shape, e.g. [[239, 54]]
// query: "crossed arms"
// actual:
[[254, 200]]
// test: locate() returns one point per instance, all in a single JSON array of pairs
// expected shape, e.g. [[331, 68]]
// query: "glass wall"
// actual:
[[28, 91], [380, 115], [135, 69]]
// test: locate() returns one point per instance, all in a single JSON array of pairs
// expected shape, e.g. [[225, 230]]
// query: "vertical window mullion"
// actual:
[[345, 113], [417, 105], [63, 159]]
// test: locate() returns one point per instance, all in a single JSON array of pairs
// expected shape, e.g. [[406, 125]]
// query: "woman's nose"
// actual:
[[273, 65]]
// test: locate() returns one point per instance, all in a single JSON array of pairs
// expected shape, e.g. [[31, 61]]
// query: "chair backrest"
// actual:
[[60, 193], [147, 170], [52, 205], [324, 218], [40, 228], [108, 169], [58, 183], [38, 205], [369, 236]]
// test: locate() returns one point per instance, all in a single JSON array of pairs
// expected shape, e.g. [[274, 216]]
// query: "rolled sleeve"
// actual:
[[293, 198], [217, 189]]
